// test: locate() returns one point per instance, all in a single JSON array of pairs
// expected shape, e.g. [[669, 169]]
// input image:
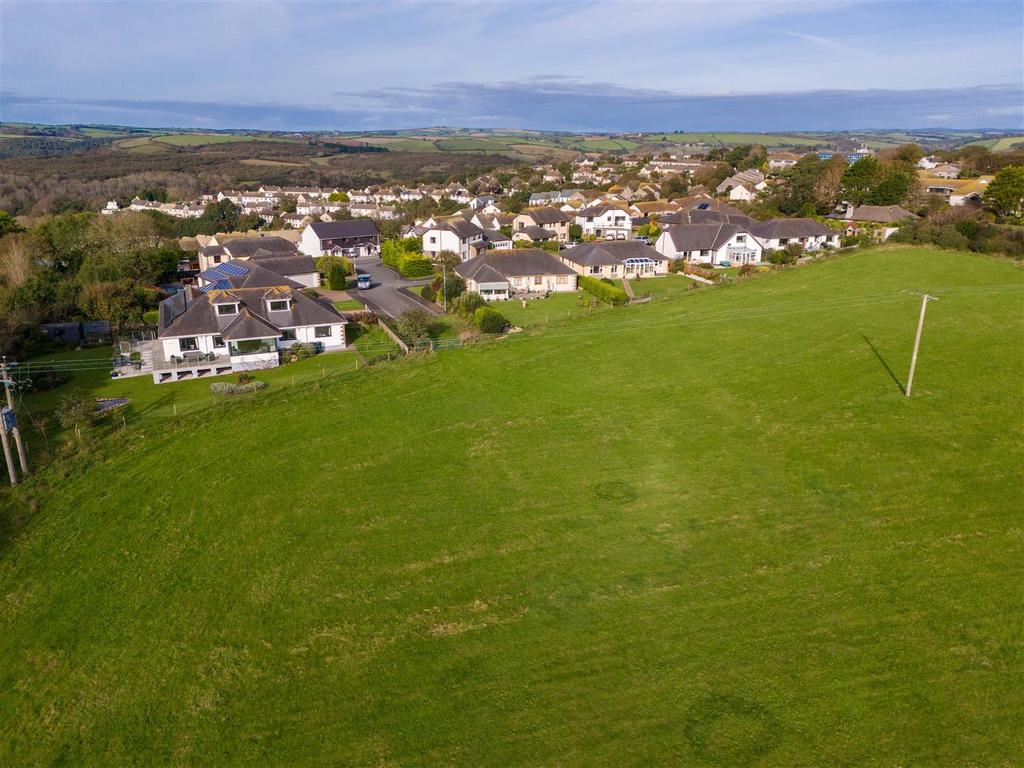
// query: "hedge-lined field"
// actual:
[[709, 530]]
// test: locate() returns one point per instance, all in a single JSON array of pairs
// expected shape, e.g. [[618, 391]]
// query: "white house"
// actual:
[[457, 235], [498, 275], [611, 222], [743, 185], [110, 207], [715, 243], [240, 322], [352, 238], [776, 234], [614, 259]]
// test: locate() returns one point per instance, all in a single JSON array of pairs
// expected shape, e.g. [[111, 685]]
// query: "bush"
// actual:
[[414, 325], [416, 266], [244, 378], [428, 292], [40, 382], [297, 352], [467, 304], [336, 275], [747, 269], [228, 388], [489, 320], [608, 293], [452, 288], [151, 317]]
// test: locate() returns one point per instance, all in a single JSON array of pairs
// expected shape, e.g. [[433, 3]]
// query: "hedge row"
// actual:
[[406, 256], [606, 292], [227, 388]]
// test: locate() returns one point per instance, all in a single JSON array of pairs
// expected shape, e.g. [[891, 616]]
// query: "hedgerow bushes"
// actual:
[[606, 292], [406, 256], [489, 320]]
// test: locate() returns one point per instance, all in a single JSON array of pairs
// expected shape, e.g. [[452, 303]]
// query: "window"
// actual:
[[216, 259], [595, 270], [433, 240], [278, 305], [615, 268], [188, 344], [538, 280], [227, 309], [322, 331], [288, 334], [561, 279], [218, 342], [741, 238]]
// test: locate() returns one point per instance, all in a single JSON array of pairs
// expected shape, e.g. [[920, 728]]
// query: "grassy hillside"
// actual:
[[705, 531]]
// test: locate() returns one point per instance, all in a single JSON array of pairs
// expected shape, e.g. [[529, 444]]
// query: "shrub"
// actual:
[[297, 352], [151, 317], [336, 275], [467, 304], [416, 266], [428, 292], [489, 320], [608, 293], [229, 388], [244, 378], [414, 325], [452, 288], [40, 382], [747, 269]]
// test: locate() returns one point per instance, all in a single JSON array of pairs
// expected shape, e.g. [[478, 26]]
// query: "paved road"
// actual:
[[384, 297]]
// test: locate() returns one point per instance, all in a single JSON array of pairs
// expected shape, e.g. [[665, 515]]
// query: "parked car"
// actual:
[[363, 281]]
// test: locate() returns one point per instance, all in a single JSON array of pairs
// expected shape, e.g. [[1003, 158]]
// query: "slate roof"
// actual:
[[546, 215], [192, 313], [516, 263], [610, 252], [537, 233], [330, 230], [299, 264], [790, 228], [702, 237], [245, 274], [464, 229], [883, 214]]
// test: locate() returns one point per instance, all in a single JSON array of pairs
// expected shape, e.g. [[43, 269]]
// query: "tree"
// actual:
[[449, 260], [9, 224], [338, 197], [1005, 194], [575, 231], [860, 179], [452, 286], [76, 412], [414, 325], [114, 301]]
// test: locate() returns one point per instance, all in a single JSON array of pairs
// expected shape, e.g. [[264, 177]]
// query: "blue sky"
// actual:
[[548, 65]]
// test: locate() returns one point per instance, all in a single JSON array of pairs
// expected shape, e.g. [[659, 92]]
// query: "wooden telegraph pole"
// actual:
[[10, 418], [917, 340]]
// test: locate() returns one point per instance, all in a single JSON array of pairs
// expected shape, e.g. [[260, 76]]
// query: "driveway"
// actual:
[[384, 297]]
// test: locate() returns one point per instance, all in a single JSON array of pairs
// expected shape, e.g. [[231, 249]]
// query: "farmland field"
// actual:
[[200, 139], [767, 139], [709, 530], [1003, 144]]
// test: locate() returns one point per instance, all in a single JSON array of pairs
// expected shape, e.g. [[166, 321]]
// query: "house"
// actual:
[[110, 207], [780, 161], [612, 222], [481, 201], [743, 185], [549, 218], [710, 243], [534, 234], [459, 236], [776, 234], [295, 220], [888, 216], [929, 162], [225, 248], [240, 320], [946, 171], [970, 192], [496, 240], [353, 238], [498, 275], [614, 259]]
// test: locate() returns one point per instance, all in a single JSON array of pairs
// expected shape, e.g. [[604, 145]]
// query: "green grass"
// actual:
[[767, 139], [151, 400], [557, 309], [1005, 144], [663, 287], [348, 305], [201, 139], [706, 531], [600, 145], [373, 343]]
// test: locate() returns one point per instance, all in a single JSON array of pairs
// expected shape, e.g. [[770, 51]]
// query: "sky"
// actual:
[[572, 65]]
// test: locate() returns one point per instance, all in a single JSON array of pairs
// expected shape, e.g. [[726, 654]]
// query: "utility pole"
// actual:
[[917, 340], [444, 284], [9, 389]]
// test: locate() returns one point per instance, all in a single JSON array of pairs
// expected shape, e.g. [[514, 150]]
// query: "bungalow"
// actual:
[[496, 240], [779, 161], [240, 322], [225, 248], [548, 218], [534, 234], [612, 222], [352, 238], [711, 243], [776, 234], [499, 275], [456, 235], [743, 185], [888, 216], [946, 171], [615, 259]]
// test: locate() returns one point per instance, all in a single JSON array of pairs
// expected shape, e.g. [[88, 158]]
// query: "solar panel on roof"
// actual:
[[222, 284], [210, 274], [233, 269], [704, 206]]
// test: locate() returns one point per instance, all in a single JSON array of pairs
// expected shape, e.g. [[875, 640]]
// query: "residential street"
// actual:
[[384, 297]]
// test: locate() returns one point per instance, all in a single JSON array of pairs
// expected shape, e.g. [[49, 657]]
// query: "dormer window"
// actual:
[[278, 305], [227, 309]]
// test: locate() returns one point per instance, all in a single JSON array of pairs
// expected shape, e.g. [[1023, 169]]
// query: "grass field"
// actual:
[[705, 531], [1003, 144], [767, 139]]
